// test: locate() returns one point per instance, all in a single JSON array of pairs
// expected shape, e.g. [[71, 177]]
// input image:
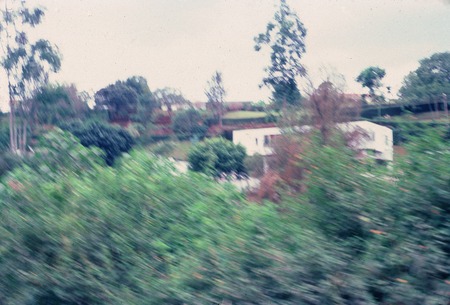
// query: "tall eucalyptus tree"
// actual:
[[27, 65]]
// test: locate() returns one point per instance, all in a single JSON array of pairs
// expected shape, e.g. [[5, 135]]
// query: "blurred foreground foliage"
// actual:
[[76, 232]]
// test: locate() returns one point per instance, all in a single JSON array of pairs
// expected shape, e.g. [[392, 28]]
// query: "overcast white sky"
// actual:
[[180, 43]]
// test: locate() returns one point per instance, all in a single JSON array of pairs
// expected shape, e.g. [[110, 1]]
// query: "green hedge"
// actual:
[[403, 130], [267, 119]]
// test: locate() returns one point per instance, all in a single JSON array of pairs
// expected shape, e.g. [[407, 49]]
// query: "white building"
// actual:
[[377, 140], [257, 140]]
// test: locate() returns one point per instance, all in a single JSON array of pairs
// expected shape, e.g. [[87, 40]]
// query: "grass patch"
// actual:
[[244, 115], [174, 149]]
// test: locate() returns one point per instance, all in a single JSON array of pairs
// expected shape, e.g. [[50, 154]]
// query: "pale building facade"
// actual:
[[376, 140]]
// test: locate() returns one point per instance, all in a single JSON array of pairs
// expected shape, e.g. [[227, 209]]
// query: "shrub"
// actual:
[[217, 157], [8, 162], [255, 165], [113, 140]]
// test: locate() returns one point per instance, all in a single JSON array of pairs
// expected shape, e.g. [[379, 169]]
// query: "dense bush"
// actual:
[[217, 157], [255, 165], [57, 103], [403, 130], [8, 162], [141, 233], [124, 235], [270, 118], [113, 140]]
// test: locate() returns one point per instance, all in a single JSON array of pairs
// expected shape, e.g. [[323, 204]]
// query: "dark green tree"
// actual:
[[188, 124], [27, 65], [217, 157], [371, 78], [146, 101], [113, 140], [429, 82], [286, 37], [119, 99]]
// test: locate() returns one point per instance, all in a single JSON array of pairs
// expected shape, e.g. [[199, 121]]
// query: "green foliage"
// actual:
[[371, 78], [59, 152], [127, 100], [146, 101], [8, 162], [4, 138], [188, 124], [409, 262], [286, 94], [429, 82], [27, 64], [217, 157], [142, 233], [163, 148], [286, 38], [55, 104], [113, 140], [255, 165], [122, 235], [119, 99]]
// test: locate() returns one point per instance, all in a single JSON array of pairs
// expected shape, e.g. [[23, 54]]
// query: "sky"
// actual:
[[181, 43]]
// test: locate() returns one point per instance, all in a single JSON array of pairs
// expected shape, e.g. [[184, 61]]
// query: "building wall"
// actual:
[[378, 139], [256, 141]]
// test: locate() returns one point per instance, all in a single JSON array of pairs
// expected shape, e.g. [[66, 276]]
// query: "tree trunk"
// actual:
[[11, 127], [24, 137]]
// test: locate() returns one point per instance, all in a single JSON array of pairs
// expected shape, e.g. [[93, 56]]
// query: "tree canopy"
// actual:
[[119, 99], [113, 140], [286, 37], [371, 78], [429, 82], [27, 65], [56, 104], [188, 124], [146, 100]]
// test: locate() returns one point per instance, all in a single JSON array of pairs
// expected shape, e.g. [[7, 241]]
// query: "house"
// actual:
[[256, 140], [375, 141]]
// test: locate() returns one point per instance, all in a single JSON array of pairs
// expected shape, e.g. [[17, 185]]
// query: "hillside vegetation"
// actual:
[[77, 232]]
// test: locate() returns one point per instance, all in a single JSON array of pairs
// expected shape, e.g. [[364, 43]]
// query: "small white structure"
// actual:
[[257, 140], [376, 140]]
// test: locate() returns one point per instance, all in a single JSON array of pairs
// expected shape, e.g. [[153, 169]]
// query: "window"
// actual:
[[266, 140], [256, 141], [386, 140]]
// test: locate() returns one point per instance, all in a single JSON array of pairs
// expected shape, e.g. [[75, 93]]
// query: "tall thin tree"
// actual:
[[215, 93], [286, 37], [27, 65]]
